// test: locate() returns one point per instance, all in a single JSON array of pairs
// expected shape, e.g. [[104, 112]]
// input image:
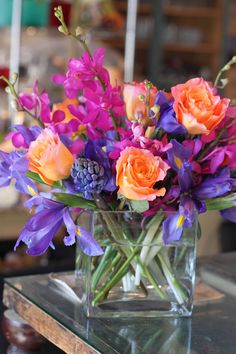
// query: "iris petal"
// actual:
[[172, 228]]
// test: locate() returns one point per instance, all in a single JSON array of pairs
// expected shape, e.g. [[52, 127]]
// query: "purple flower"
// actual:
[[36, 103], [174, 224], [93, 174], [178, 158], [94, 150], [14, 165], [213, 187], [220, 156], [88, 177], [39, 231], [96, 108], [229, 214], [173, 228], [82, 73], [167, 120], [23, 135]]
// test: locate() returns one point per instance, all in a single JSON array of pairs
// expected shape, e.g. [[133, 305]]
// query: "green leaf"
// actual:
[[75, 201], [139, 205], [221, 203], [35, 177]]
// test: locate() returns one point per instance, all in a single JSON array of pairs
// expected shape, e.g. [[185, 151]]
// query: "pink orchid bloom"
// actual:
[[222, 156], [36, 103]]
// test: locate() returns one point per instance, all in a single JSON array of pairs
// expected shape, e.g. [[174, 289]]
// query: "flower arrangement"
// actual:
[[135, 148]]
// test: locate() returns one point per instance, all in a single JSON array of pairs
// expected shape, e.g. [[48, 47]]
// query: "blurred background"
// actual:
[[175, 40]]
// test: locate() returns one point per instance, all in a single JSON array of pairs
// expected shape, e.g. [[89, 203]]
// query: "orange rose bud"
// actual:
[[134, 96], [137, 172], [49, 157], [197, 107]]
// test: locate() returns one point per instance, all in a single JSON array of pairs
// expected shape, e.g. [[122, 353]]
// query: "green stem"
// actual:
[[116, 233], [175, 285], [104, 267], [119, 274], [14, 94], [147, 98], [180, 256], [226, 67], [152, 280]]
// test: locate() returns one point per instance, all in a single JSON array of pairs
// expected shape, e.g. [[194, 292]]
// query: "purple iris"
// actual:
[[174, 224], [178, 158], [14, 165], [229, 214], [215, 186], [39, 231], [167, 120]]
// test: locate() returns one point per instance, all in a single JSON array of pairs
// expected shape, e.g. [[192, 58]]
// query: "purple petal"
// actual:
[[40, 241], [18, 140], [229, 214], [169, 123], [185, 176], [71, 228], [187, 209], [58, 116], [172, 229], [39, 231], [216, 161], [212, 188], [58, 79], [177, 155], [167, 118], [87, 243], [28, 101], [28, 134]]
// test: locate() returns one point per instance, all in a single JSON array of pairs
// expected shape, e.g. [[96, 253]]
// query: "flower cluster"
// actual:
[[105, 147]]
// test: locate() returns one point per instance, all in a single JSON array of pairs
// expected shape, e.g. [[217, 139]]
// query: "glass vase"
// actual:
[[137, 275]]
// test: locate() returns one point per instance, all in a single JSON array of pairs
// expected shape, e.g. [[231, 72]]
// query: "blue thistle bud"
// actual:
[[88, 176]]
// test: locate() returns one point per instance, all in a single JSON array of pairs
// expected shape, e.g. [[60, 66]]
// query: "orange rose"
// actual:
[[197, 107], [49, 157], [137, 172], [135, 107]]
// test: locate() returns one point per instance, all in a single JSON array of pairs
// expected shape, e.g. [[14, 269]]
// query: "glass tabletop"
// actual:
[[208, 331]]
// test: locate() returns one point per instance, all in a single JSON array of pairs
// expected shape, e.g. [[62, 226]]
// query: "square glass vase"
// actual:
[[137, 275]]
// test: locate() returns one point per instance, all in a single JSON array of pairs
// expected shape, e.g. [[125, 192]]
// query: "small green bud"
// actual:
[[79, 31], [63, 30], [148, 83], [14, 78], [8, 90], [58, 12]]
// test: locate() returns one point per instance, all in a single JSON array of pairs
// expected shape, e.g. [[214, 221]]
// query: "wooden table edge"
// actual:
[[45, 324]]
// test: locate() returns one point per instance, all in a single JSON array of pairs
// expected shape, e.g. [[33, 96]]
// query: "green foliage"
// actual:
[[221, 82], [75, 201], [139, 205], [221, 203], [35, 177]]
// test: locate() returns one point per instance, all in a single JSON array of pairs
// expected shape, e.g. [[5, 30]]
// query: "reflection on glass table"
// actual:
[[208, 331]]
